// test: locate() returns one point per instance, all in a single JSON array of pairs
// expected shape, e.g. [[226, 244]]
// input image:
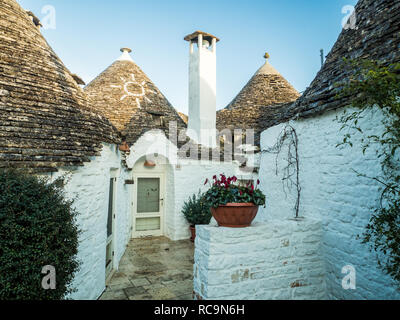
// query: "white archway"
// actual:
[[153, 206]]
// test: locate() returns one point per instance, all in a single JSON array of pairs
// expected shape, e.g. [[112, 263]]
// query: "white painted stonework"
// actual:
[[333, 193], [89, 186], [278, 259]]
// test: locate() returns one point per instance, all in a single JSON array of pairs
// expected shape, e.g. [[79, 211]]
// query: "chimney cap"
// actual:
[[206, 36], [129, 50]]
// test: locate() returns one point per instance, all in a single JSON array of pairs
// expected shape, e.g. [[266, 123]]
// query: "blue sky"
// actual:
[[89, 34]]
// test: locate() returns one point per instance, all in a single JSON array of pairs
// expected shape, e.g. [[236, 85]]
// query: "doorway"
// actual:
[[148, 205], [110, 227]]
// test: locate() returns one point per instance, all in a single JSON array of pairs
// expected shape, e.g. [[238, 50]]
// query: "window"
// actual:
[[157, 118]]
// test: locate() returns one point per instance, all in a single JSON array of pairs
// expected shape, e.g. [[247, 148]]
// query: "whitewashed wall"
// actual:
[[279, 259], [332, 192], [89, 186]]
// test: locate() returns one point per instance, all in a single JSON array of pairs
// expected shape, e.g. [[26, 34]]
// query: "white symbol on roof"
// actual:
[[138, 94]]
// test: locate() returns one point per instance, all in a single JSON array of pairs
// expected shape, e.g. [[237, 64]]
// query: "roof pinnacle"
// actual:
[[125, 55]]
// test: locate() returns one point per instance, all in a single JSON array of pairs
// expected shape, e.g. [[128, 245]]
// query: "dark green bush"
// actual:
[[37, 228], [196, 210]]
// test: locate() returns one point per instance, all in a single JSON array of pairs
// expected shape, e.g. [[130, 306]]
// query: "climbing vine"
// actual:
[[290, 179], [374, 85]]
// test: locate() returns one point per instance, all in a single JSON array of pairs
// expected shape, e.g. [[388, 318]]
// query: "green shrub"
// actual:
[[196, 210], [37, 228]]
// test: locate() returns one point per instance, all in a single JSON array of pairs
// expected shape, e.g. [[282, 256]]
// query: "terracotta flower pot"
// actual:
[[193, 231], [235, 215]]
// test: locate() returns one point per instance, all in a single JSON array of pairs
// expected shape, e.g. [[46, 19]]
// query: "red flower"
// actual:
[[215, 177], [251, 190], [206, 182], [258, 181]]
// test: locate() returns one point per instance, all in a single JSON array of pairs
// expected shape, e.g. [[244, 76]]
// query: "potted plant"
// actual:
[[196, 211], [234, 205]]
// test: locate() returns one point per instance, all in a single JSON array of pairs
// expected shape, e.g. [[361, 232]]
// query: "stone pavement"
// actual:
[[153, 269]]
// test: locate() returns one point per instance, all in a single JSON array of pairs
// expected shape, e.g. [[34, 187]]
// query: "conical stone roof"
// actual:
[[129, 99], [45, 120], [267, 87]]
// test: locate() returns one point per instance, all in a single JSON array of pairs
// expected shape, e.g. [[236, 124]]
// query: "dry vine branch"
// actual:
[[292, 169]]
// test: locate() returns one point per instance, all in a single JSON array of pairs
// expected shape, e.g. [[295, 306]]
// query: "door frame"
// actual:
[[141, 234], [114, 173]]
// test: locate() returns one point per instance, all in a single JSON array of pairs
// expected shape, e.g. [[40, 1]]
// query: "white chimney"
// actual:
[[202, 88]]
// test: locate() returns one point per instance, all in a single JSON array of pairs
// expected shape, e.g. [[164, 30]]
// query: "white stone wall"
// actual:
[[332, 192], [278, 259], [189, 179], [89, 186]]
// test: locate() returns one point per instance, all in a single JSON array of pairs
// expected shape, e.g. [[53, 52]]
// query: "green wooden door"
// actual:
[[148, 211]]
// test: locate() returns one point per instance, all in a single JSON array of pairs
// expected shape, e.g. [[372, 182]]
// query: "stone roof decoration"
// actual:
[[45, 120], [129, 99], [266, 88], [376, 36]]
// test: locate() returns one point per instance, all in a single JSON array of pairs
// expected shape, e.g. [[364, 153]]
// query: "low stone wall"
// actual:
[[278, 259]]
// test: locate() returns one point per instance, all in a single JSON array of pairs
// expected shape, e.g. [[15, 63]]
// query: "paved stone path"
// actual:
[[153, 269]]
